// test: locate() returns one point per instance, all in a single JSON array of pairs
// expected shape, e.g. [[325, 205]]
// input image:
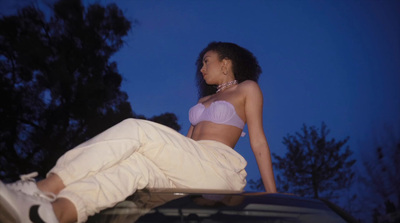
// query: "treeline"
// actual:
[[317, 166], [58, 86]]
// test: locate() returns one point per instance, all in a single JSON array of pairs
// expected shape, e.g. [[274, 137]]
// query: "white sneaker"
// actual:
[[19, 207], [27, 185]]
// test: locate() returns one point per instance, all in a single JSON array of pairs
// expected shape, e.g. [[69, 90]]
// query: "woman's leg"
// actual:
[[99, 153], [179, 162], [64, 210], [52, 184], [193, 164], [107, 188]]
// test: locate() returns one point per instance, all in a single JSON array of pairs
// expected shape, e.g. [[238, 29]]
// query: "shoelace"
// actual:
[[28, 179], [29, 176]]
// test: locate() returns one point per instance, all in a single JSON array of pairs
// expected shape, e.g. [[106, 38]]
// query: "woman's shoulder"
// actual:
[[248, 83], [249, 86], [203, 99]]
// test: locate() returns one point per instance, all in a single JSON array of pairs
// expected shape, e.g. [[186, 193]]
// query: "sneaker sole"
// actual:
[[7, 213]]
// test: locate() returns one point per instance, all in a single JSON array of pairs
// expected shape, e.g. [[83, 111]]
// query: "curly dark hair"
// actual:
[[244, 65]]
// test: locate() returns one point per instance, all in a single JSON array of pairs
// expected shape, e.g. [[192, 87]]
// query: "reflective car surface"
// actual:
[[220, 206]]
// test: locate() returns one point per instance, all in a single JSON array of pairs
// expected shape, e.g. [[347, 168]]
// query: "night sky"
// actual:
[[336, 62]]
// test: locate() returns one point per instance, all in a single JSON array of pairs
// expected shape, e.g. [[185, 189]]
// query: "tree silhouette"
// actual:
[[168, 119], [382, 177], [313, 165], [58, 86]]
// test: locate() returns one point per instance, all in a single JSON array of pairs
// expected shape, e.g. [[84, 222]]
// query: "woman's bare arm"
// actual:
[[258, 141], [189, 134]]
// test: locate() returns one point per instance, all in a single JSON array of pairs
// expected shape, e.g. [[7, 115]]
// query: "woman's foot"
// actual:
[[16, 206], [28, 186]]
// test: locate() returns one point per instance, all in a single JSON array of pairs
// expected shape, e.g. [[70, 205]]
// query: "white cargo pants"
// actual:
[[137, 154]]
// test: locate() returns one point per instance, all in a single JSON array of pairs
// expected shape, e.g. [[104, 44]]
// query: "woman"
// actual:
[[137, 154]]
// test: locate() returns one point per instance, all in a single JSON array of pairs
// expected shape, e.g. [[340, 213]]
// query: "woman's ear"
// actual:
[[227, 66]]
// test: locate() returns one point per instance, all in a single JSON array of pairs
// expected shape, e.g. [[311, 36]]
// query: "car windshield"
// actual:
[[146, 206]]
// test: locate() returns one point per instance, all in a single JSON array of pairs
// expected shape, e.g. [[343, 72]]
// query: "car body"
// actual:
[[177, 205]]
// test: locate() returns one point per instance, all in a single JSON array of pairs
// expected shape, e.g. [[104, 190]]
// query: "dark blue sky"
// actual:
[[331, 61]]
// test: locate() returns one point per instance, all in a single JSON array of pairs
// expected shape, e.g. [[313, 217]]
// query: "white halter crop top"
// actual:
[[220, 112]]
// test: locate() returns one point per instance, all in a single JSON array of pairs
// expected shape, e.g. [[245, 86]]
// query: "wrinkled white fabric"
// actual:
[[137, 154]]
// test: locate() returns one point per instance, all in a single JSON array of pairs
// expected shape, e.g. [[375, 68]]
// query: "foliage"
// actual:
[[256, 185], [314, 166], [58, 86], [168, 119], [382, 177]]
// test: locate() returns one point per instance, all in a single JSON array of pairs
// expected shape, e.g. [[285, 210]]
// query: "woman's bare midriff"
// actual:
[[229, 135]]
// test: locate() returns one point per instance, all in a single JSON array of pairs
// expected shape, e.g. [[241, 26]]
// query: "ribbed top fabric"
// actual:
[[220, 112]]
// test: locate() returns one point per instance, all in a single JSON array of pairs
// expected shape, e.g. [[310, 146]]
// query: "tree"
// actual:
[[382, 176], [58, 86], [314, 166], [168, 119]]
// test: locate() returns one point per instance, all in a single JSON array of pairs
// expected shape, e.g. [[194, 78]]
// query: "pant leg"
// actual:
[[105, 189], [178, 156], [99, 153], [172, 160]]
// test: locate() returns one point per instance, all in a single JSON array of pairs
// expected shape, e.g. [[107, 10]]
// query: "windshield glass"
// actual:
[[181, 207]]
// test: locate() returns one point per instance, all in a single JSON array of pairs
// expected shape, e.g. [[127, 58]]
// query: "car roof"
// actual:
[[190, 205]]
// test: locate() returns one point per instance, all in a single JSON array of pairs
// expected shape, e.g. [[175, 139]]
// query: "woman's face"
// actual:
[[212, 68]]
